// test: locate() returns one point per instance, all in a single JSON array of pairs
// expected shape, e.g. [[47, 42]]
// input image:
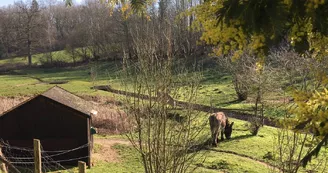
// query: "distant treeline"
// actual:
[[93, 29]]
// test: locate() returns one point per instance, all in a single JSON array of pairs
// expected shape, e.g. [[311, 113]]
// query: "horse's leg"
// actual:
[[212, 139], [216, 135], [213, 135], [222, 133]]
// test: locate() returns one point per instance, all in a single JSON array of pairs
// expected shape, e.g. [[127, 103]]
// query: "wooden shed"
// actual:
[[60, 119]]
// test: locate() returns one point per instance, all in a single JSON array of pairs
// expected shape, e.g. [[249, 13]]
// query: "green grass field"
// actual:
[[35, 80], [216, 89], [208, 161], [213, 91], [38, 59]]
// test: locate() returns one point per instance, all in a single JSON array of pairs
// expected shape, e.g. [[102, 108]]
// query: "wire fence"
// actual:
[[23, 158]]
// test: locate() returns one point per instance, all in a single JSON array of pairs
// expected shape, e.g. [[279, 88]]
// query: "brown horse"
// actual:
[[219, 123]]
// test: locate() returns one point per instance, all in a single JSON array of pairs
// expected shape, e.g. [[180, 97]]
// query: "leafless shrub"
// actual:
[[165, 145], [96, 99], [292, 146], [109, 119], [240, 70], [254, 124], [297, 71], [252, 79]]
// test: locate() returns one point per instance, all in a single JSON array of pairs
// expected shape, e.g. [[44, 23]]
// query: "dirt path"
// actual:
[[106, 152], [268, 165]]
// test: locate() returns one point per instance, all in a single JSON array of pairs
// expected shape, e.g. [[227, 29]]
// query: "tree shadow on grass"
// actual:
[[208, 144], [229, 103], [176, 117], [238, 138], [220, 165]]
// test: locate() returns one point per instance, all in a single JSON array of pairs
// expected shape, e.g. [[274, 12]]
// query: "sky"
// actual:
[[8, 2]]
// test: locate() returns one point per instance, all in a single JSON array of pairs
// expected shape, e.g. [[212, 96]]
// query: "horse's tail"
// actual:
[[214, 123], [212, 119]]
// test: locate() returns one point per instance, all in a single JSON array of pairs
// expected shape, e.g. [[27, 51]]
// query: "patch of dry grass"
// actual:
[[110, 118]]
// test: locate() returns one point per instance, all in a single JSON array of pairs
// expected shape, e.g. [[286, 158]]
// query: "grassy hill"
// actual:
[[39, 59], [216, 89]]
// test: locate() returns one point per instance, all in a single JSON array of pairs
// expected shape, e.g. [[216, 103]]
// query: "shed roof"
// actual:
[[63, 97]]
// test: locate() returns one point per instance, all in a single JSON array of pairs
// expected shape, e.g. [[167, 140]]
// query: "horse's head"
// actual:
[[228, 130]]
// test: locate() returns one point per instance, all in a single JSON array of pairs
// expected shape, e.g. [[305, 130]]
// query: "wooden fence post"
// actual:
[[82, 167], [3, 168], [37, 156]]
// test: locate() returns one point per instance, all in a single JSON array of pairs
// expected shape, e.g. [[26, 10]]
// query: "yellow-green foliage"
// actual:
[[255, 26], [235, 26], [313, 107]]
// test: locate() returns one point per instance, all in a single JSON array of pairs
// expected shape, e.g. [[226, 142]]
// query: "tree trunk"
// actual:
[[29, 55], [241, 89], [127, 39]]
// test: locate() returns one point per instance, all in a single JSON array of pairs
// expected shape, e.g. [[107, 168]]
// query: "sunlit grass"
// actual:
[[39, 59], [215, 89]]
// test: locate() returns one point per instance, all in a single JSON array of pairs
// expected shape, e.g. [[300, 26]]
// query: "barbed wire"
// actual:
[[20, 158], [67, 160], [31, 150], [50, 156], [15, 148], [24, 157], [49, 164], [58, 151], [68, 151]]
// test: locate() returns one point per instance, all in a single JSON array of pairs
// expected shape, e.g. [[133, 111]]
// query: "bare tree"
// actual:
[[294, 140], [30, 27], [49, 42], [91, 31], [166, 140], [239, 69], [292, 146], [6, 32], [297, 69]]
